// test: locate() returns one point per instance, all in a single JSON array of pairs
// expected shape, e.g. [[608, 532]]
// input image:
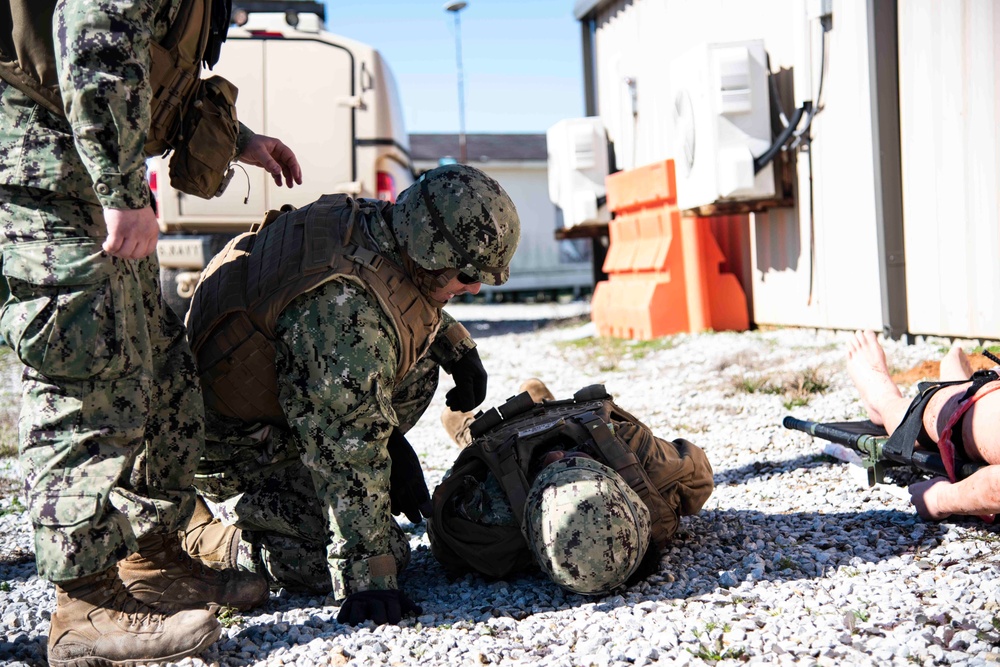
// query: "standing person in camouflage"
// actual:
[[578, 488], [318, 340], [111, 424]]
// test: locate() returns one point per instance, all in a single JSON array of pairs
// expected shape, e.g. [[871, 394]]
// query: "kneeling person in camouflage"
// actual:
[[318, 339], [578, 487]]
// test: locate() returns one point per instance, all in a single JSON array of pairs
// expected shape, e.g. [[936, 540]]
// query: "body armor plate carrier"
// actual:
[[235, 308], [509, 441]]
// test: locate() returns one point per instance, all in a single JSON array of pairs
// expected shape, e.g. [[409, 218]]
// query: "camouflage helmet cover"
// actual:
[[457, 217], [586, 527]]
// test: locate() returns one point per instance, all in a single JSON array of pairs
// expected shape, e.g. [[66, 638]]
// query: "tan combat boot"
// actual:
[[456, 425], [97, 623], [164, 576], [207, 539], [537, 390]]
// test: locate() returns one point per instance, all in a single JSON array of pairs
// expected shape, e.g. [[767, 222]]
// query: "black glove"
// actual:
[[470, 382], [379, 606], [407, 489]]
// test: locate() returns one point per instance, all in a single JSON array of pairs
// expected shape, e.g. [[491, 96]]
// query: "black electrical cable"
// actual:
[[765, 158], [807, 107]]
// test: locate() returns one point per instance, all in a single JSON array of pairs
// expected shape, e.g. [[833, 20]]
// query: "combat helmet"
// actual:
[[586, 527], [456, 217]]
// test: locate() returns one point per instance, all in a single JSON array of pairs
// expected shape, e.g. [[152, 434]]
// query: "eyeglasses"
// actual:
[[466, 279]]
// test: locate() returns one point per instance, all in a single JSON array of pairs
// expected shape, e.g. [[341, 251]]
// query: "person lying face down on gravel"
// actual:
[[952, 418], [578, 488]]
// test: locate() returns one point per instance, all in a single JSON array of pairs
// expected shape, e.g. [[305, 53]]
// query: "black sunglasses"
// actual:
[[466, 279]]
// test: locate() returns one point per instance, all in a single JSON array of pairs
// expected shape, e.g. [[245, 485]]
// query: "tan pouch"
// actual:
[[207, 142]]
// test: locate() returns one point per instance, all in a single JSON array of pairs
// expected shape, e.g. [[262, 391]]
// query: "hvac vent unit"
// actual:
[[722, 121], [578, 164]]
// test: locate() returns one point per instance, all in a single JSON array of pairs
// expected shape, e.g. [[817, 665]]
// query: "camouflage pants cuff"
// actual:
[[375, 573]]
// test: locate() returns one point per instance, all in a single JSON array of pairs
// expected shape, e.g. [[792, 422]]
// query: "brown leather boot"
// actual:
[[207, 539], [164, 576], [97, 623]]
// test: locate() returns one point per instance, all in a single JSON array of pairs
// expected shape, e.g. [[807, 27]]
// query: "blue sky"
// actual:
[[522, 60]]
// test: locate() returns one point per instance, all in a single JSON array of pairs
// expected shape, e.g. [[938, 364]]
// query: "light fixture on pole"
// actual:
[[455, 7]]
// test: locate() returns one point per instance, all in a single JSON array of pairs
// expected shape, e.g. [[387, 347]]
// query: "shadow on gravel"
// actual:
[[714, 551], [764, 467]]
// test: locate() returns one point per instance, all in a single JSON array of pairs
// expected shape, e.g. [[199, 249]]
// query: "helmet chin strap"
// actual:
[[428, 282]]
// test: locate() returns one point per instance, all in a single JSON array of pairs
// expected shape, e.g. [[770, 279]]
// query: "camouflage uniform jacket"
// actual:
[[336, 359], [96, 152]]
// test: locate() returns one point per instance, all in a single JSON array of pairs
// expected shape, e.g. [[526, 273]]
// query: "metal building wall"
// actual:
[[949, 119], [812, 265]]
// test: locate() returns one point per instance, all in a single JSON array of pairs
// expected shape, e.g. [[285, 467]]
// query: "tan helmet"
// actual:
[[457, 217], [587, 528]]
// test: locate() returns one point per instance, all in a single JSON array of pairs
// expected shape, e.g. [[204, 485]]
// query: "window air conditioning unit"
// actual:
[[578, 163], [722, 121]]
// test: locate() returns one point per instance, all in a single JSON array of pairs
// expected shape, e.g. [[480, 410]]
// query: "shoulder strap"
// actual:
[[902, 441]]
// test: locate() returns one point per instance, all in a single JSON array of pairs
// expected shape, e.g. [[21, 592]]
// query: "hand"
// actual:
[[407, 488], [379, 606], [924, 496], [470, 382], [273, 157], [132, 233]]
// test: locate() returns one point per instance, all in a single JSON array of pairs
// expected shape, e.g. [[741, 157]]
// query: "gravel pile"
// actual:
[[792, 561]]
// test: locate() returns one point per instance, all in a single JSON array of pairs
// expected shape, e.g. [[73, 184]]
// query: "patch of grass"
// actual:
[[15, 507], [992, 349], [786, 563], [228, 617], [861, 614], [8, 437], [609, 352], [715, 653], [5, 586], [996, 622], [796, 389], [753, 385]]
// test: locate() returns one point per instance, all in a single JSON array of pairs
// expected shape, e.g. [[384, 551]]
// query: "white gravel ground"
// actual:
[[790, 563]]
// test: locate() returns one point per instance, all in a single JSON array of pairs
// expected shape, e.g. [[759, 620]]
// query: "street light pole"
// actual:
[[455, 7]]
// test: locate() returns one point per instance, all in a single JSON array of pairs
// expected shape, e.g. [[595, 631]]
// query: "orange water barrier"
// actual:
[[663, 269]]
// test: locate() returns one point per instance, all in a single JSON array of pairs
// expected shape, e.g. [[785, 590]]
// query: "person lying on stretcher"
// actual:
[[951, 418]]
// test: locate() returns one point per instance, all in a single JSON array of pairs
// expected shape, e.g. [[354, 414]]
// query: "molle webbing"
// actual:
[[246, 287], [510, 445]]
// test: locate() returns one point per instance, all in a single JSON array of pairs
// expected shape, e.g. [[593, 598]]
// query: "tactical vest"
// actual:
[[508, 440], [27, 61], [235, 308]]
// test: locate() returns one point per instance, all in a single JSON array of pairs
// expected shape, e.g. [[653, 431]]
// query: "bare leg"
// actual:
[[868, 370], [955, 365]]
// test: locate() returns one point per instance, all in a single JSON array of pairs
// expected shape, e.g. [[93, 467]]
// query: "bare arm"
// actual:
[[977, 494]]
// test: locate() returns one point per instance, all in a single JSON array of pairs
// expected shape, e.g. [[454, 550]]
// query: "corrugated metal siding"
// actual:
[[822, 272], [950, 112]]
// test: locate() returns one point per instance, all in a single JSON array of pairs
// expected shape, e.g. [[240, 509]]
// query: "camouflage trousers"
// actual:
[[111, 425], [257, 479]]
